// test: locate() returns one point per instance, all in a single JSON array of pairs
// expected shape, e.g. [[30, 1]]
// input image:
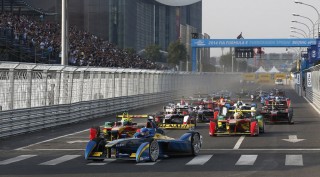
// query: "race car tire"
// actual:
[[291, 121], [195, 143], [114, 135], [254, 128], [198, 120], [99, 148], [212, 128], [290, 115], [154, 150], [261, 130], [97, 160]]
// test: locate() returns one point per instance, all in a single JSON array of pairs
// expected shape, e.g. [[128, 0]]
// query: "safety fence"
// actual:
[[31, 119], [34, 96]]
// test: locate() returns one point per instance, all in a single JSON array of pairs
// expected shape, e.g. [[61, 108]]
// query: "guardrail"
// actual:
[[36, 96], [14, 122], [309, 86]]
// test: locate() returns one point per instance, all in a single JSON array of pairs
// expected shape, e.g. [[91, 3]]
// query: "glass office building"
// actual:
[[129, 23]]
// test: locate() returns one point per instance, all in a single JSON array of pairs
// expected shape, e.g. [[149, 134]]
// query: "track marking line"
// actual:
[[294, 160], [247, 159], [199, 160], [315, 149], [24, 148], [237, 145], [16, 159], [60, 160]]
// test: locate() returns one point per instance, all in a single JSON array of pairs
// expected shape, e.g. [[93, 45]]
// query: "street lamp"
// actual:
[[295, 21], [313, 24], [299, 2], [292, 27], [293, 31]]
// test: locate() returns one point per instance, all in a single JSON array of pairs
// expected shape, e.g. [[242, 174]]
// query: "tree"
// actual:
[[153, 52], [130, 51], [176, 52], [243, 65], [226, 61]]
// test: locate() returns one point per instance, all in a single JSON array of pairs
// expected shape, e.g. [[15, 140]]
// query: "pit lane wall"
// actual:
[[35, 96]]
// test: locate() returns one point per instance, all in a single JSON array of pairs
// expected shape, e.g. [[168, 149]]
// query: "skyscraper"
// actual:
[[130, 23]]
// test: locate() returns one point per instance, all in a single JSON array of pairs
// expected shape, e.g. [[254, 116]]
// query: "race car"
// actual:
[[178, 121], [126, 127], [146, 145], [237, 122], [180, 117], [205, 115], [278, 111]]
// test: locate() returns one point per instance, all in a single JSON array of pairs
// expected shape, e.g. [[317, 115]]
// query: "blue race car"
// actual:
[[146, 145]]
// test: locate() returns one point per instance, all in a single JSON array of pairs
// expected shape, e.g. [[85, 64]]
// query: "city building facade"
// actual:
[[129, 23]]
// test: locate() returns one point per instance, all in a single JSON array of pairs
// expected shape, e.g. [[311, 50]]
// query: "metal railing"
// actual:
[[311, 91], [35, 96]]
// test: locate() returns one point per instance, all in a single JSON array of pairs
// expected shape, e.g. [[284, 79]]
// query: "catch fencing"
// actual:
[[310, 87], [36, 96]]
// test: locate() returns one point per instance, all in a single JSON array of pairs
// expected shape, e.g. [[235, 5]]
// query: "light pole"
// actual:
[[313, 24], [295, 21], [292, 27], [299, 2], [293, 31]]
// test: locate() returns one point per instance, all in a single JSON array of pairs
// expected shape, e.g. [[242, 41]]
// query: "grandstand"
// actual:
[[12, 47], [24, 38]]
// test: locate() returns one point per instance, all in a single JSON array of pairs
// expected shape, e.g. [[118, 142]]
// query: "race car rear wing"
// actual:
[[133, 116]]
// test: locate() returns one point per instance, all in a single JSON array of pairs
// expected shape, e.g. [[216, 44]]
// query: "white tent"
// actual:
[[274, 70], [261, 70]]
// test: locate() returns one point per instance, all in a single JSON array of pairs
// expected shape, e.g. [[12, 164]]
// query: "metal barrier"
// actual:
[[35, 96], [20, 121], [310, 91]]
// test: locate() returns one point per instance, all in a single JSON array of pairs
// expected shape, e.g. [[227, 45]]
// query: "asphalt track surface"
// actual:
[[60, 151]]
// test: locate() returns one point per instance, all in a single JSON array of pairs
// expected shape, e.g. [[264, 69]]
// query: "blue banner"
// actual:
[[313, 53], [318, 49], [299, 42]]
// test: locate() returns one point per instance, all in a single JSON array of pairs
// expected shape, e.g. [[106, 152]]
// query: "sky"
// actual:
[[256, 19]]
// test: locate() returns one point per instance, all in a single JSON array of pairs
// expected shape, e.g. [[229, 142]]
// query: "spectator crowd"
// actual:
[[85, 49]]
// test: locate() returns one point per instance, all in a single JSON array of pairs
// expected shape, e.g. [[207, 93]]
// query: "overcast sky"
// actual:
[[224, 19]]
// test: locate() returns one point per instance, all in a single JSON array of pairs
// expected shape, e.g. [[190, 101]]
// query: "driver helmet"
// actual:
[[125, 121], [237, 115], [144, 132]]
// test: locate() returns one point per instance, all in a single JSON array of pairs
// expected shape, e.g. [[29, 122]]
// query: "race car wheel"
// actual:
[[254, 128], [290, 121], [261, 130], [212, 128], [154, 150], [114, 135], [195, 143]]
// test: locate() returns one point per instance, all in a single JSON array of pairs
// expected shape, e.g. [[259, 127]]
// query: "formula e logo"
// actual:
[[200, 43]]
